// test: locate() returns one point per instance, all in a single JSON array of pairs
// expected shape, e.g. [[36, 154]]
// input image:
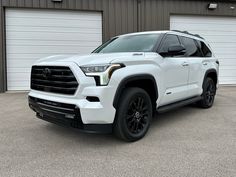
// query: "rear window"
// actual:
[[191, 47], [205, 50]]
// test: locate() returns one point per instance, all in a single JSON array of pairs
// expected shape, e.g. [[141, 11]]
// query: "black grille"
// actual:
[[55, 112], [56, 79]]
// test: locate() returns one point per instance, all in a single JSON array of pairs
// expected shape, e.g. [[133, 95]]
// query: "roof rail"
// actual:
[[186, 32]]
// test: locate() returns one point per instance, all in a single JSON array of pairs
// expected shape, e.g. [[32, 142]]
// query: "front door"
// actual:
[[175, 73]]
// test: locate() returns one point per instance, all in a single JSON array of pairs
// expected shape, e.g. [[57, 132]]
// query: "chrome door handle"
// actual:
[[204, 63], [185, 64]]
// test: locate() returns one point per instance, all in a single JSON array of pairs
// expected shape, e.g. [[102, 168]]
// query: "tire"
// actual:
[[134, 114], [208, 95]]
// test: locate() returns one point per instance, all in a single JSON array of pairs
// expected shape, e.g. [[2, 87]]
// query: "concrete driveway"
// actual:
[[182, 143]]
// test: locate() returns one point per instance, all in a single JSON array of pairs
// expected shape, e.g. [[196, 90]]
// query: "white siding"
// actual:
[[220, 32], [32, 34]]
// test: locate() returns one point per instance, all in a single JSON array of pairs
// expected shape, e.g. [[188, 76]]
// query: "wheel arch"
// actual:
[[148, 84], [212, 73]]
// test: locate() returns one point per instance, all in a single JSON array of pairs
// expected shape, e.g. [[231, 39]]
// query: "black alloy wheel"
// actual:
[[209, 91], [137, 115], [134, 114]]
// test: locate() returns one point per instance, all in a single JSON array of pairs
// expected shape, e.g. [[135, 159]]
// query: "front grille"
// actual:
[[56, 79]]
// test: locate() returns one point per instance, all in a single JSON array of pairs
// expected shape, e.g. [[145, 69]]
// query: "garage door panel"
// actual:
[[22, 63], [19, 85], [202, 20], [50, 22], [228, 73], [19, 88], [228, 80], [219, 45], [196, 24], [47, 49], [15, 42], [224, 51], [53, 14], [220, 39], [21, 76], [79, 51], [51, 36], [192, 27], [28, 56], [227, 62], [90, 17], [229, 67], [220, 32], [34, 34], [18, 70], [213, 32], [229, 48], [52, 29], [227, 56]]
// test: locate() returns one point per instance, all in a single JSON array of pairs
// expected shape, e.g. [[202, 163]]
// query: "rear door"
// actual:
[[175, 72], [196, 69]]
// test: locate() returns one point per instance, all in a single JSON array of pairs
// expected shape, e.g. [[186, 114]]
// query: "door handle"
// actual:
[[204, 63], [185, 64]]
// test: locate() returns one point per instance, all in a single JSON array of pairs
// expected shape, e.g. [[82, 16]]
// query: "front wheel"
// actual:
[[208, 95], [134, 114]]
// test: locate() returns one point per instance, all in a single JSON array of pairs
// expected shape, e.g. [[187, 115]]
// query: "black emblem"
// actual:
[[47, 73]]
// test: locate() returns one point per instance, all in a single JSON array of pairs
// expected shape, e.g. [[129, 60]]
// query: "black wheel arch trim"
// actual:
[[131, 78], [208, 72]]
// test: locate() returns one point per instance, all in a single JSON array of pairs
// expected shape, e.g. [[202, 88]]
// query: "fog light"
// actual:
[[92, 99], [70, 116], [212, 6]]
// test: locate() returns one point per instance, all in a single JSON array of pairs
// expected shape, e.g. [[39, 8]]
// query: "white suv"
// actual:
[[124, 82]]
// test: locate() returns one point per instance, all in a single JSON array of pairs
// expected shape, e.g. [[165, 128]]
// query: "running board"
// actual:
[[171, 106]]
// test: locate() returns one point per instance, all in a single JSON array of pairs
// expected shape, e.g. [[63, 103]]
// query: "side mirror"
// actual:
[[176, 50]]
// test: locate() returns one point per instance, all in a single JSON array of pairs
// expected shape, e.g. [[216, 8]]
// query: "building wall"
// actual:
[[155, 14], [119, 16]]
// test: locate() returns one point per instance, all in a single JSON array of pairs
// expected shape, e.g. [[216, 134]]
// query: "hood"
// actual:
[[91, 59]]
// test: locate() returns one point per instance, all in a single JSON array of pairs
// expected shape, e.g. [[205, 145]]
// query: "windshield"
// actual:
[[129, 43]]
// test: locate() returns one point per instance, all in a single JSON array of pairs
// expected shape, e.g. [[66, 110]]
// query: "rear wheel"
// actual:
[[134, 114], [208, 95]]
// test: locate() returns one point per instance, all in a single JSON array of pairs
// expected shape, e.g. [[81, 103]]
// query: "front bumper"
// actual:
[[65, 115], [100, 113]]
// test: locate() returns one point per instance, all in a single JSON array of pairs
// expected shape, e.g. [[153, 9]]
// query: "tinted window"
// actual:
[[191, 47], [169, 40], [130, 43], [205, 50]]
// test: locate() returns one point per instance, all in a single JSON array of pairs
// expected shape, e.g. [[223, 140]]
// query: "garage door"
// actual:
[[32, 34], [221, 34]]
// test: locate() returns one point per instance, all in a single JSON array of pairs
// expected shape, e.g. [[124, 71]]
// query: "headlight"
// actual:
[[101, 73]]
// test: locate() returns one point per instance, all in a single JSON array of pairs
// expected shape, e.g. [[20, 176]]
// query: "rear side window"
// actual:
[[168, 41], [191, 48], [205, 50]]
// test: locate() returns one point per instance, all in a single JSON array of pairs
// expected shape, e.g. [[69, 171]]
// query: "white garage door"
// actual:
[[221, 34], [32, 34]]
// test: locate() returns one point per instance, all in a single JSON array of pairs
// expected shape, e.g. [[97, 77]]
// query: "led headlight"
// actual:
[[101, 73]]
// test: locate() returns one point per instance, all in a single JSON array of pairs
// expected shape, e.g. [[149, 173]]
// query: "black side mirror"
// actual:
[[176, 50]]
